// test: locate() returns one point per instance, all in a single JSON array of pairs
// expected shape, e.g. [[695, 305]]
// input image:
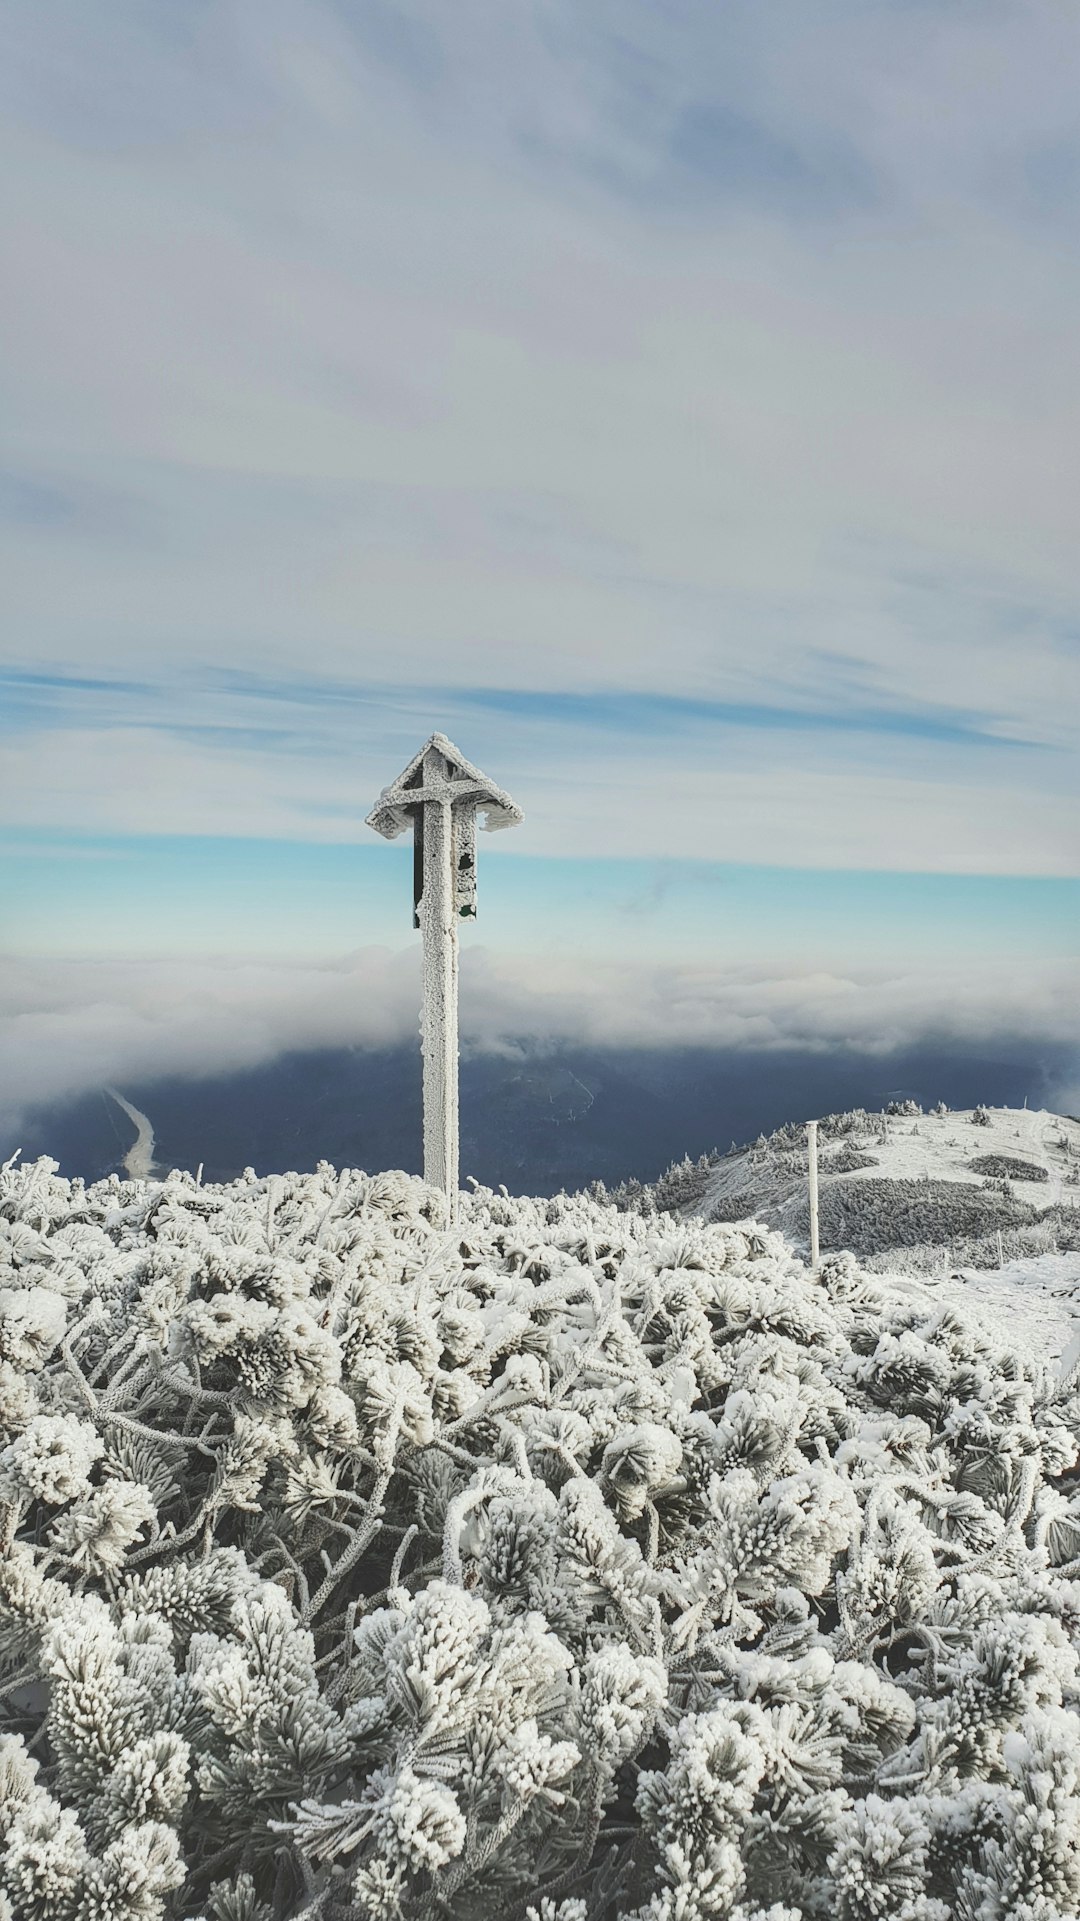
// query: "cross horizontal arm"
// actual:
[[439, 772], [441, 790], [397, 805]]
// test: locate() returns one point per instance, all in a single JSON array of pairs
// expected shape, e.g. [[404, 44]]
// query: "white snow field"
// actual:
[[924, 1191], [572, 1565], [907, 1148], [1031, 1305]]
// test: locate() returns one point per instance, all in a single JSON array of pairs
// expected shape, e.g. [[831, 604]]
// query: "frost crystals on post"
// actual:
[[439, 795]]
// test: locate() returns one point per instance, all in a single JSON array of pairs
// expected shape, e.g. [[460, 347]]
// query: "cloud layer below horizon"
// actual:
[[76, 1026]]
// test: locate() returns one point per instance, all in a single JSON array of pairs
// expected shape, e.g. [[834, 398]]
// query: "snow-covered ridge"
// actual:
[[571, 1566], [927, 1190]]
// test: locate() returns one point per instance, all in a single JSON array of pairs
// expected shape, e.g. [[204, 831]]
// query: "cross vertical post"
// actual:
[[439, 795], [811, 1143], [439, 1016]]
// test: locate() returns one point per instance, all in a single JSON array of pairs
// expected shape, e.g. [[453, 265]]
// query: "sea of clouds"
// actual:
[[72, 1026]]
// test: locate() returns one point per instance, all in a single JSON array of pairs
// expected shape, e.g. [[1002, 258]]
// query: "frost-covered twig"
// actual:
[[362, 1540]]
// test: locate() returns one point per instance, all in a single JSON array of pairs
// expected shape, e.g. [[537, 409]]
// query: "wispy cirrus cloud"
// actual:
[[716, 793], [564, 348]]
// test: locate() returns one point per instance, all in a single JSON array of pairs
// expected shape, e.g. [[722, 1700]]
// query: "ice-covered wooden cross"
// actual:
[[439, 796]]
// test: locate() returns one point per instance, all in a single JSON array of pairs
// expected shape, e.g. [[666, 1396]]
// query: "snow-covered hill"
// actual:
[[937, 1188], [981, 1205]]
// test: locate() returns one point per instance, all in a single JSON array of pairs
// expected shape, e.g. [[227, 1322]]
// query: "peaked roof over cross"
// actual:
[[423, 781]]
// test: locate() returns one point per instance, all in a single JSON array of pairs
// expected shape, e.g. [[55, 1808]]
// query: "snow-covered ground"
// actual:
[[1031, 1303], [1032, 1306], [925, 1188], [911, 1147], [978, 1212]]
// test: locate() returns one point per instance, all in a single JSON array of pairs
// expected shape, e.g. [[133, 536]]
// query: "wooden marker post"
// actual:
[[439, 795], [811, 1144]]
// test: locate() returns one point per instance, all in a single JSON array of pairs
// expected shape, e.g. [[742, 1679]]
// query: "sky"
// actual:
[[676, 404]]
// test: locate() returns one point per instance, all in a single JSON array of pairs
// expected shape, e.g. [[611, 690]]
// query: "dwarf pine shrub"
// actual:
[[574, 1565]]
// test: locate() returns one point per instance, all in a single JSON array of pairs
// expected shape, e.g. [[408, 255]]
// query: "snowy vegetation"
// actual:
[[1006, 1167], [578, 1564]]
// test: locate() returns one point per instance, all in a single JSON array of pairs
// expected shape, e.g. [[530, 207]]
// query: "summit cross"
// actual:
[[439, 794]]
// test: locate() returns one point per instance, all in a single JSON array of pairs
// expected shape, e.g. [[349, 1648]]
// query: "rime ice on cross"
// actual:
[[439, 795]]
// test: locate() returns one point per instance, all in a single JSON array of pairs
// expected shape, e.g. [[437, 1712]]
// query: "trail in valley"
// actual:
[[138, 1162]]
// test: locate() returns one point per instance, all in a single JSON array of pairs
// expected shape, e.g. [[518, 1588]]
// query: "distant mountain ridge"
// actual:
[[537, 1119], [923, 1189]]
